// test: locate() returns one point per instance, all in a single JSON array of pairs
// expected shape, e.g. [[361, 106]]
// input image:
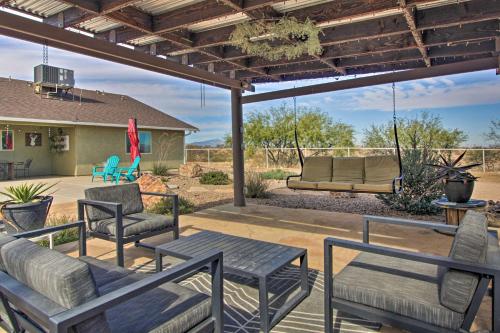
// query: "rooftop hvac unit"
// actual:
[[50, 76]]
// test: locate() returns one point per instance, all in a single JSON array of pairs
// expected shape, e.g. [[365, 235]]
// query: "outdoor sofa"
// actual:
[[42, 290], [372, 174], [415, 291], [116, 213]]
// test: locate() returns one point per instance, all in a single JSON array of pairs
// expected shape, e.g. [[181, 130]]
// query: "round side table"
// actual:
[[455, 211]]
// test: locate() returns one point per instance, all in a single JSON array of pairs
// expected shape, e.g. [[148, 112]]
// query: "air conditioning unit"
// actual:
[[50, 76]]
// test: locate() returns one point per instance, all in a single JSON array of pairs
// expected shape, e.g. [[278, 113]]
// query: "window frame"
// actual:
[[1, 140], [151, 145]]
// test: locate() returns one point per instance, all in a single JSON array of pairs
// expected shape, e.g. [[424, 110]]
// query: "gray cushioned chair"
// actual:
[[116, 213], [42, 290], [417, 292]]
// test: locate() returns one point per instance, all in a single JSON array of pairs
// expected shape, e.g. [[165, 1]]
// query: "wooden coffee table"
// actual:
[[248, 258]]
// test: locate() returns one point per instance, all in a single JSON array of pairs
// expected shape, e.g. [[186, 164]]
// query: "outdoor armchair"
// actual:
[[127, 173], [42, 290], [116, 213], [107, 170], [415, 291]]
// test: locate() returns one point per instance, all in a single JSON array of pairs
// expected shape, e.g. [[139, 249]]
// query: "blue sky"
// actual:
[[466, 101]]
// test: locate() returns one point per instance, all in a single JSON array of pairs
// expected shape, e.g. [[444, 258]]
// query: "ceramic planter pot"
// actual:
[[26, 216], [458, 190]]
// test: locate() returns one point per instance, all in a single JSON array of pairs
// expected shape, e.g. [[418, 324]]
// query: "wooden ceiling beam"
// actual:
[[109, 6], [409, 15]]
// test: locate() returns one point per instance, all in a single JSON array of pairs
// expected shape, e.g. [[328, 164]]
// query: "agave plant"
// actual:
[[26, 193], [450, 169]]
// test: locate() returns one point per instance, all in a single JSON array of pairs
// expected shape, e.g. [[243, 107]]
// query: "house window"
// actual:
[[7, 140], [145, 142]]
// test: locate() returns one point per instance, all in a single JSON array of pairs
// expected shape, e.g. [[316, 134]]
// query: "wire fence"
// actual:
[[287, 158]]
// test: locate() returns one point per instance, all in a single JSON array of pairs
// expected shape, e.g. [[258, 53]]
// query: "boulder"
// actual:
[[190, 170], [150, 183]]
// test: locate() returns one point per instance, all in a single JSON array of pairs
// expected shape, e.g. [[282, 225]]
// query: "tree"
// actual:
[[493, 136], [274, 129], [423, 131]]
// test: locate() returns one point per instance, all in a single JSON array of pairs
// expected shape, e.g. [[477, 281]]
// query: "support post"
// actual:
[[238, 152]]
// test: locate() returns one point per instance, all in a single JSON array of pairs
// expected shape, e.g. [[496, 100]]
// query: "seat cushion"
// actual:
[[134, 224], [400, 286], [129, 195], [317, 169], [335, 186], [62, 279], [169, 308], [381, 169], [469, 245], [104, 272], [302, 185], [348, 169], [373, 188]]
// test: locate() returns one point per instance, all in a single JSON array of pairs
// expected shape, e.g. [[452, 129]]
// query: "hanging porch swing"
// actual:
[[370, 174]]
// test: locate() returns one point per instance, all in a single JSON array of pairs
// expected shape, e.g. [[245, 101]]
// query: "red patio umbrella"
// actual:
[[133, 136]]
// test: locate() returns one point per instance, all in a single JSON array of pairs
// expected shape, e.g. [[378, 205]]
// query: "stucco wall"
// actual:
[[42, 159], [64, 163], [95, 144]]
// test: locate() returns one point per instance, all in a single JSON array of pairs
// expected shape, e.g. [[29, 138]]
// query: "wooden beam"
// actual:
[[497, 49], [409, 15], [109, 6], [407, 75], [23, 28], [238, 148]]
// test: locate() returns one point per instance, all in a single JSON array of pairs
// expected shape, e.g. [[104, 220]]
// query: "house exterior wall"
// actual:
[[89, 146], [95, 144]]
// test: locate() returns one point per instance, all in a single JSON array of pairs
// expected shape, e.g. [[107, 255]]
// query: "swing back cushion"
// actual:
[[379, 174], [317, 169]]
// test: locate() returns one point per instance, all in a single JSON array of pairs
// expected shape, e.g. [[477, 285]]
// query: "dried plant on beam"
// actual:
[[276, 39]]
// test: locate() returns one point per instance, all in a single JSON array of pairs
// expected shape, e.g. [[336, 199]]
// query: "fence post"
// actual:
[[348, 152], [484, 162], [267, 158], [208, 156], [185, 155]]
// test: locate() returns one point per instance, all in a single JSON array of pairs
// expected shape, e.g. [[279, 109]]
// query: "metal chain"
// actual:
[[45, 54]]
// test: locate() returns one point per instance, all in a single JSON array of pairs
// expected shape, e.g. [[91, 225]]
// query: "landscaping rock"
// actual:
[[190, 170], [150, 183]]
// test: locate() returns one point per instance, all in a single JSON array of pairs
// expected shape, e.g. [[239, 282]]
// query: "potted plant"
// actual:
[[458, 182], [27, 207]]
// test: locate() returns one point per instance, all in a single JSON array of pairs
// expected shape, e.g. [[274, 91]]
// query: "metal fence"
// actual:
[[287, 158]]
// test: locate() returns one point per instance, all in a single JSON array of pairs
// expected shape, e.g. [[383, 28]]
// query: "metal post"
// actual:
[[267, 158], [185, 155], [208, 155], [484, 162], [348, 152], [238, 149]]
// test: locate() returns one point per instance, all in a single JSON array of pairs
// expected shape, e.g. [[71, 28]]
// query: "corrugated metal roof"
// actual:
[[156, 7], [43, 8], [360, 18], [289, 5], [99, 24], [146, 40], [218, 22]]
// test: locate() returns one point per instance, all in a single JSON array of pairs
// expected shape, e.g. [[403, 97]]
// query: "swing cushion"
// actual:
[[334, 186], [373, 188], [381, 169], [348, 170], [302, 185], [317, 169]]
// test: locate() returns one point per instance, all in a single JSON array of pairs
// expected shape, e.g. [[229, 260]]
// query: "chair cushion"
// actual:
[[4, 239], [381, 169], [469, 245], [373, 188], [400, 286], [169, 308], [64, 280], [302, 185], [129, 195], [348, 169], [335, 186], [104, 272], [317, 169], [134, 224]]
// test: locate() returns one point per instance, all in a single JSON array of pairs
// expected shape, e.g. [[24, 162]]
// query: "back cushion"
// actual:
[[348, 169], [381, 169], [129, 195], [469, 245], [317, 169], [4, 239], [65, 280]]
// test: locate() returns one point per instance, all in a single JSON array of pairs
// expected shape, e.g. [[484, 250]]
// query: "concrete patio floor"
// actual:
[[296, 227]]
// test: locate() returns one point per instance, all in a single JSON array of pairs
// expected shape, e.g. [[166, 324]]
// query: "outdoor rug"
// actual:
[[242, 306]]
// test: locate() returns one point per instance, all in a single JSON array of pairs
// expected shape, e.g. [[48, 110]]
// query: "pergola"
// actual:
[[402, 39]]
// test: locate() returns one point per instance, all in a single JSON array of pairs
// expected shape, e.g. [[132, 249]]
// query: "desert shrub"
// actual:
[[164, 206], [278, 174], [255, 185], [160, 169], [63, 236], [420, 185], [214, 178]]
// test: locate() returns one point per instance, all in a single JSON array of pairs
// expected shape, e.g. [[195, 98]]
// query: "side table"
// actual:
[[455, 211]]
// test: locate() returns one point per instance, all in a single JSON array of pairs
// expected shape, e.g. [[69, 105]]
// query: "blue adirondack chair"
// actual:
[[107, 170], [127, 173]]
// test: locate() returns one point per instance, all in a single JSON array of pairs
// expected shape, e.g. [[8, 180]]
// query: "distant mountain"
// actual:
[[208, 143]]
